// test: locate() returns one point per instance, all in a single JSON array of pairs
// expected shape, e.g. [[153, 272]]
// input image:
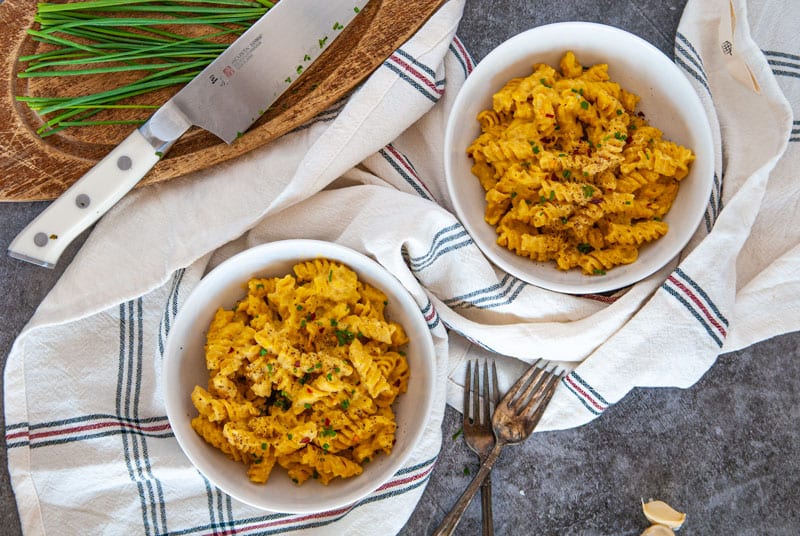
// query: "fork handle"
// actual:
[[486, 506], [451, 520]]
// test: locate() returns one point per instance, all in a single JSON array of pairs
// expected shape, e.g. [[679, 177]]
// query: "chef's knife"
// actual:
[[225, 98]]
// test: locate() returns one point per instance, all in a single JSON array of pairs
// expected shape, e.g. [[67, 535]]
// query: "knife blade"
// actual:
[[226, 98]]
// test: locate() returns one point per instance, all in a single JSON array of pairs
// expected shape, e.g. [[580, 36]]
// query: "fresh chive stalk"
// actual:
[[168, 42]]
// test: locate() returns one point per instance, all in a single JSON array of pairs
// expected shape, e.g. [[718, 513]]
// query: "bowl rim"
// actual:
[[556, 32], [278, 252]]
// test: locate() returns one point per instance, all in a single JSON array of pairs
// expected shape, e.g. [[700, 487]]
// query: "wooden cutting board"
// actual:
[[35, 168]]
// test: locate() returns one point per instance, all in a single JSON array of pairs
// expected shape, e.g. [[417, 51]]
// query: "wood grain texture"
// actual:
[[34, 168]]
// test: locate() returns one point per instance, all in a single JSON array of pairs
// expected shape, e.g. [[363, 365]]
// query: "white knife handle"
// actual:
[[46, 237]]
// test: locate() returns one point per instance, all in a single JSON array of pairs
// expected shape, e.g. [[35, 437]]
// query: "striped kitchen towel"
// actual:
[[89, 447]]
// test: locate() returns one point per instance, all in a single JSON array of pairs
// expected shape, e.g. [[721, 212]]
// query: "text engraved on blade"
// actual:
[[238, 61]]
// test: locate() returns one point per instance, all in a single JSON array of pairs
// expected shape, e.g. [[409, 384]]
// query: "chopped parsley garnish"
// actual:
[[344, 336]]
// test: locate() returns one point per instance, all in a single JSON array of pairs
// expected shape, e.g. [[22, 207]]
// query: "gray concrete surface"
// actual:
[[727, 450]]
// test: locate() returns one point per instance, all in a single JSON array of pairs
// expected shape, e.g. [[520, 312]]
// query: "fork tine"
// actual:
[[467, 391], [533, 369], [476, 393], [520, 392], [536, 406], [485, 415], [531, 391], [495, 385]]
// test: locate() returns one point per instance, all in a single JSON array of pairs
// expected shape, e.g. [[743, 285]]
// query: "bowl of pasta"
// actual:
[[579, 158], [299, 376]]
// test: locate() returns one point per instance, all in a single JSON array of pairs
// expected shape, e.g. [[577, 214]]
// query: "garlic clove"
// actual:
[[660, 513], [658, 530]]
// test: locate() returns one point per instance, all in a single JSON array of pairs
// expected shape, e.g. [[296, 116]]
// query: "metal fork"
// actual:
[[481, 399], [513, 421]]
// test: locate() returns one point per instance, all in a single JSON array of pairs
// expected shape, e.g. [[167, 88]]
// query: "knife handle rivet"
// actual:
[[40, 239], [124, 163], [82, 201]]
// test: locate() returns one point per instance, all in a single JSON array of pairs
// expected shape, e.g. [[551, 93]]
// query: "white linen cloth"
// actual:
[[89, 446]]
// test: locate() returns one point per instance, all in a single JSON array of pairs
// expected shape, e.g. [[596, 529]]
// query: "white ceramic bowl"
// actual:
[[184, 367], [667, 99]]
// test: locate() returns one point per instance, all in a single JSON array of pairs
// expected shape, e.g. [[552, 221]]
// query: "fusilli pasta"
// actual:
[[302, 374], [572, 173]]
